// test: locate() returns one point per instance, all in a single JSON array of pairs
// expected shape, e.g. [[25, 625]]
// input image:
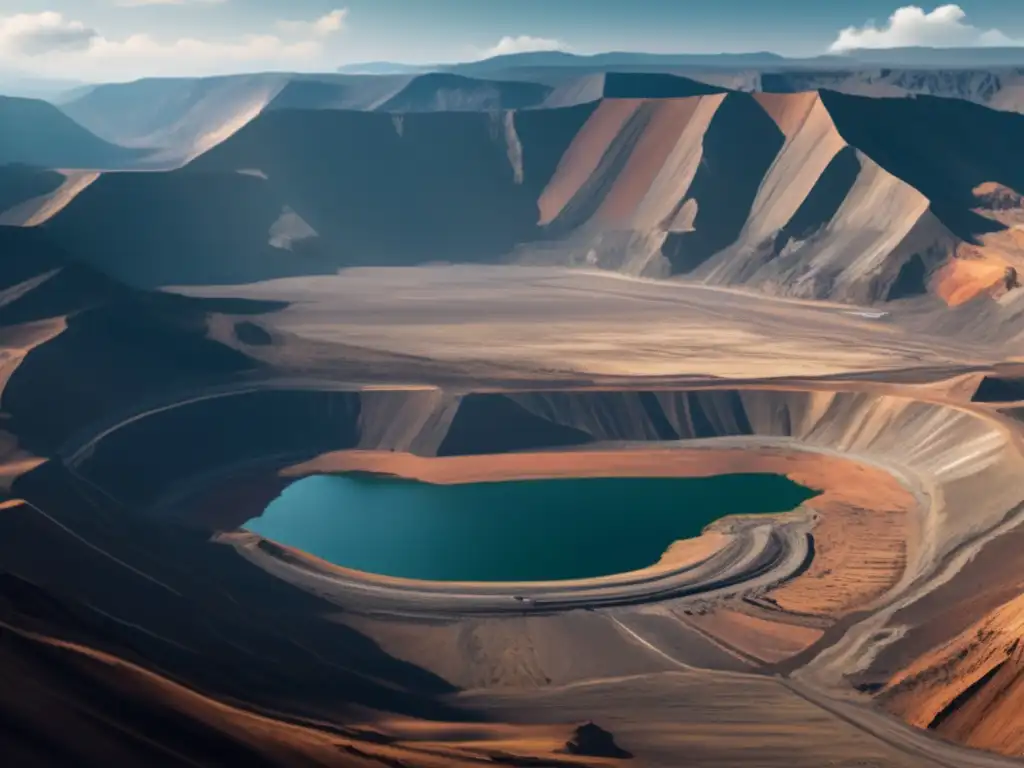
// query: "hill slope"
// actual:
[[61, 321], [180, 118], [809, 195], [446, 93], [999, 89], [304, 192], [34, 132], [19, 183]]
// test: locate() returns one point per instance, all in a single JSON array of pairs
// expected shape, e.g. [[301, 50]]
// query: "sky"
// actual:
[[97, 40]]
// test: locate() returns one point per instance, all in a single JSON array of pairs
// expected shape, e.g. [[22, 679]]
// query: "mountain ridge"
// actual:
[[806, 195]]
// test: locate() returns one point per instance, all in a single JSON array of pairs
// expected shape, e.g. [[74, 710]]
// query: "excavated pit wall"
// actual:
[[966, 462]]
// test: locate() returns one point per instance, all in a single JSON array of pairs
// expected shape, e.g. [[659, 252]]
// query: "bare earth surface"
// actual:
[[549, 320], [874, 411], [836, 633], [213, 287]]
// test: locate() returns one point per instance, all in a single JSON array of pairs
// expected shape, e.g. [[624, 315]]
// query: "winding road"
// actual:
[[758, 556]]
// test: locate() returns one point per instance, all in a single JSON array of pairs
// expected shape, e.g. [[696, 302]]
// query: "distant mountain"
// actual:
[[72, 94], [949, 58], [443, 92], [178, 119], [183, 117], [1001, 89], [545, 59], [27, 86], [35, 132], [158, 112], [385, 68], [812, 194], [357, 92], [605, 61]]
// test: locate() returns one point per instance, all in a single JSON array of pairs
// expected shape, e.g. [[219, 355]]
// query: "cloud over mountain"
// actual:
[[911, 25], [35, 34], [523, 44]]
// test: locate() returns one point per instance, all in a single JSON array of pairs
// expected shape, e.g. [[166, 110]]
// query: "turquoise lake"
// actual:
[[534, 530]]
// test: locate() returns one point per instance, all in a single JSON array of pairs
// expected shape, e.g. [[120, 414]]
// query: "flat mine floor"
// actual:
[[550, 321]]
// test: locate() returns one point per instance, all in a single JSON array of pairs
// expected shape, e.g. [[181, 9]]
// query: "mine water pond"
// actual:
[[535, 530]]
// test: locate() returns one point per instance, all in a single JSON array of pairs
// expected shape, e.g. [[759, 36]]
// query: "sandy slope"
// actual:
[[174, 119], [794, 194], [941, 448], [179, 119], [969, 687], [966, 459], [40, 209], [479, 371]]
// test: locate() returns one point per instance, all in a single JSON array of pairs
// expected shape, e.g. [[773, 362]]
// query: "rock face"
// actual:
[[970, 688], [999, 89], [119, 401], [591, 740], [811, 195], [1011, 279]]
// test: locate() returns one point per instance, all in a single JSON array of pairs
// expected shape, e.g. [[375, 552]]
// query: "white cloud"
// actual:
[[34, 34], [71, 46], [251, 47], [944, 27], [522, 44], [328, 24]]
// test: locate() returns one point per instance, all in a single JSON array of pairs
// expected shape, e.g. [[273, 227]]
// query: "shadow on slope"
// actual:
[[740, 144], [165, 112], [636, 85], [111, 356], [153, 229], [38, 281], [442, 92], [170, 600], [496, 424], [385, 189], [181, 116], [369, 188], [825, 198], [162, 597], [120, 344], [999, 389], [250, 426], [815, 212], [20, 182], [942, 147], [35, 132], [358, 92]]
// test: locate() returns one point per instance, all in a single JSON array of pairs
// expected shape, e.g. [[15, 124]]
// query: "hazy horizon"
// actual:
[[99, 40]]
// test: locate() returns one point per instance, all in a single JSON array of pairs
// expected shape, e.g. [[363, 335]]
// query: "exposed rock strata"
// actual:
[[795, 194]]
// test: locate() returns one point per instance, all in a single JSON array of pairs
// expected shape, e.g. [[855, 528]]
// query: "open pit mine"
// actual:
[[527, 419]]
